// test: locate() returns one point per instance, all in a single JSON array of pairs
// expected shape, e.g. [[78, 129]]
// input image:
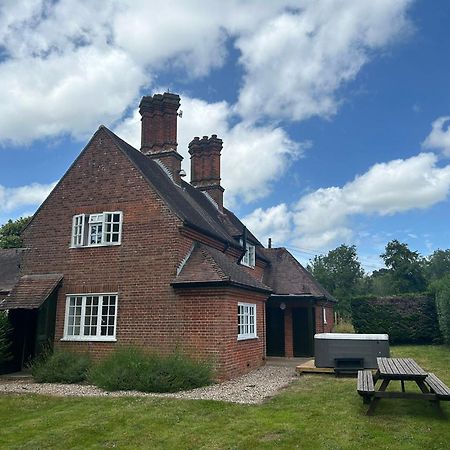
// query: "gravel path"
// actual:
[[252, 388]]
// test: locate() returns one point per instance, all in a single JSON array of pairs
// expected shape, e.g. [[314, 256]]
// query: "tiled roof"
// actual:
[[31, 291], [208, 265], [10, 260], [286, 276]]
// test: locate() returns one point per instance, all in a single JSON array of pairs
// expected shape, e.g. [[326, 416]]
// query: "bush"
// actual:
[[441, 290], [343, 326], [408, 319], [133, 369], [5, 343], [60, 367]]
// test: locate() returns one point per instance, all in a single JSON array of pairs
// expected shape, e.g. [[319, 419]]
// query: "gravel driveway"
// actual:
[[252, 388]]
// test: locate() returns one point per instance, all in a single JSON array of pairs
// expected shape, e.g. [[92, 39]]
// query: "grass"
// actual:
[[315, 412]]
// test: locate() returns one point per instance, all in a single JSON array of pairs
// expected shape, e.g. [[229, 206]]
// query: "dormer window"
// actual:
[[249, 257], [98, 229]]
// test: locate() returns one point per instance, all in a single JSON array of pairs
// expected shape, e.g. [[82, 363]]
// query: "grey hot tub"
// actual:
[[329, 346]]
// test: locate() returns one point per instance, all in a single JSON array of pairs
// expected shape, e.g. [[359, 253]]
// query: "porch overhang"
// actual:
[[305, 297], [31, 291]]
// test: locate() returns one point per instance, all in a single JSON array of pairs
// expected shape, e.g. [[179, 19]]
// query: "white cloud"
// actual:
[[70, 93], [322, 218], [439, 138], [275, 222], [252, 157], [15, 198], [72, 64], [296, 61]]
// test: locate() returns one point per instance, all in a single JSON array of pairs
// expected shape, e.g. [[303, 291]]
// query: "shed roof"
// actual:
[[31, 291], [286, 276]]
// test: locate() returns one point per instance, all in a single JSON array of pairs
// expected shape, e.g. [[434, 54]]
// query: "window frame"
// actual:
[[248, 335], [249, 259], [97, 337], [88, 223]]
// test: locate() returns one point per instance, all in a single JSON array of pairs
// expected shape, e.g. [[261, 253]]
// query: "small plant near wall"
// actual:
[[134, 369], [60, 367]]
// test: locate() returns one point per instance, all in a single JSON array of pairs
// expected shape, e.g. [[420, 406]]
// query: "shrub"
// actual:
[[5, 343], [343, 326], [409, 318], [133, 369], [60, 367], [441, 290]]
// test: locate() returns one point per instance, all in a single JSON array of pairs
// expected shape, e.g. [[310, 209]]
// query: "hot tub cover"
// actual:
[[353, 336]]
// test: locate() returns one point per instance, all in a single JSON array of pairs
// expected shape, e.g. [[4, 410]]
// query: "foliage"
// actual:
[[406, 319], [60, 367], [314, 412], [343, 326], [405, 268], [133, 369], [437, 265], [10, 232], [339, 272], [441, 289], [5, 343]]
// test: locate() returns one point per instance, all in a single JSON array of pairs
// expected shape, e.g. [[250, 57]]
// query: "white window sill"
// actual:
[[247, 265], [88, 339], [115, 244], [246, 338]]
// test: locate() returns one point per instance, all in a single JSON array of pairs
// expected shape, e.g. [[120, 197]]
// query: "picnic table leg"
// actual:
[[375, 400], [435, 403], [423, 387], [403, 385]]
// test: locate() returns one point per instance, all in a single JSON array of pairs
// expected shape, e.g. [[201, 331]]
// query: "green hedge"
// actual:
[[407, 319], [441, 290]]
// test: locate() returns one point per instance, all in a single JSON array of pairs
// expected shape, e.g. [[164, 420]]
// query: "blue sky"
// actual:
[[334, 113]]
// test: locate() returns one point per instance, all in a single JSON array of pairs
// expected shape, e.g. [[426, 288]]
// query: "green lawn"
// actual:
[[314, 412]]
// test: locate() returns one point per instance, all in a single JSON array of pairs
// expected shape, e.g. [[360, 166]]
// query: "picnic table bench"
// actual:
[[403, 369]]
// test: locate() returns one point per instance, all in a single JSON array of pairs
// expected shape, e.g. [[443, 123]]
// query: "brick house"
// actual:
[[125, 252]]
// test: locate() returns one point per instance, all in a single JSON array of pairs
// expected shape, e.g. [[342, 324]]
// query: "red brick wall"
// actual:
[[209, 329], [140, 269], [320, 326]]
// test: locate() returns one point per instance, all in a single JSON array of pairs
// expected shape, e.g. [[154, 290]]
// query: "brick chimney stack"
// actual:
[[205, 166], [159, 130]]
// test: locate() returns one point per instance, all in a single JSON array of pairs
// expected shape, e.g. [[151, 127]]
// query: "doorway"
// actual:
[[303, 331], [275, 332], [33, 332]]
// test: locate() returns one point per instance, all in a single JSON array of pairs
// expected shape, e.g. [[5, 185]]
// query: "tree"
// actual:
[[405, 267], [10, 232], [437, 265], [340, 272]]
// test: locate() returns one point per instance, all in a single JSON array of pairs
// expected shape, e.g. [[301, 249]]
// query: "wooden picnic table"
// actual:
[[405, 370]]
